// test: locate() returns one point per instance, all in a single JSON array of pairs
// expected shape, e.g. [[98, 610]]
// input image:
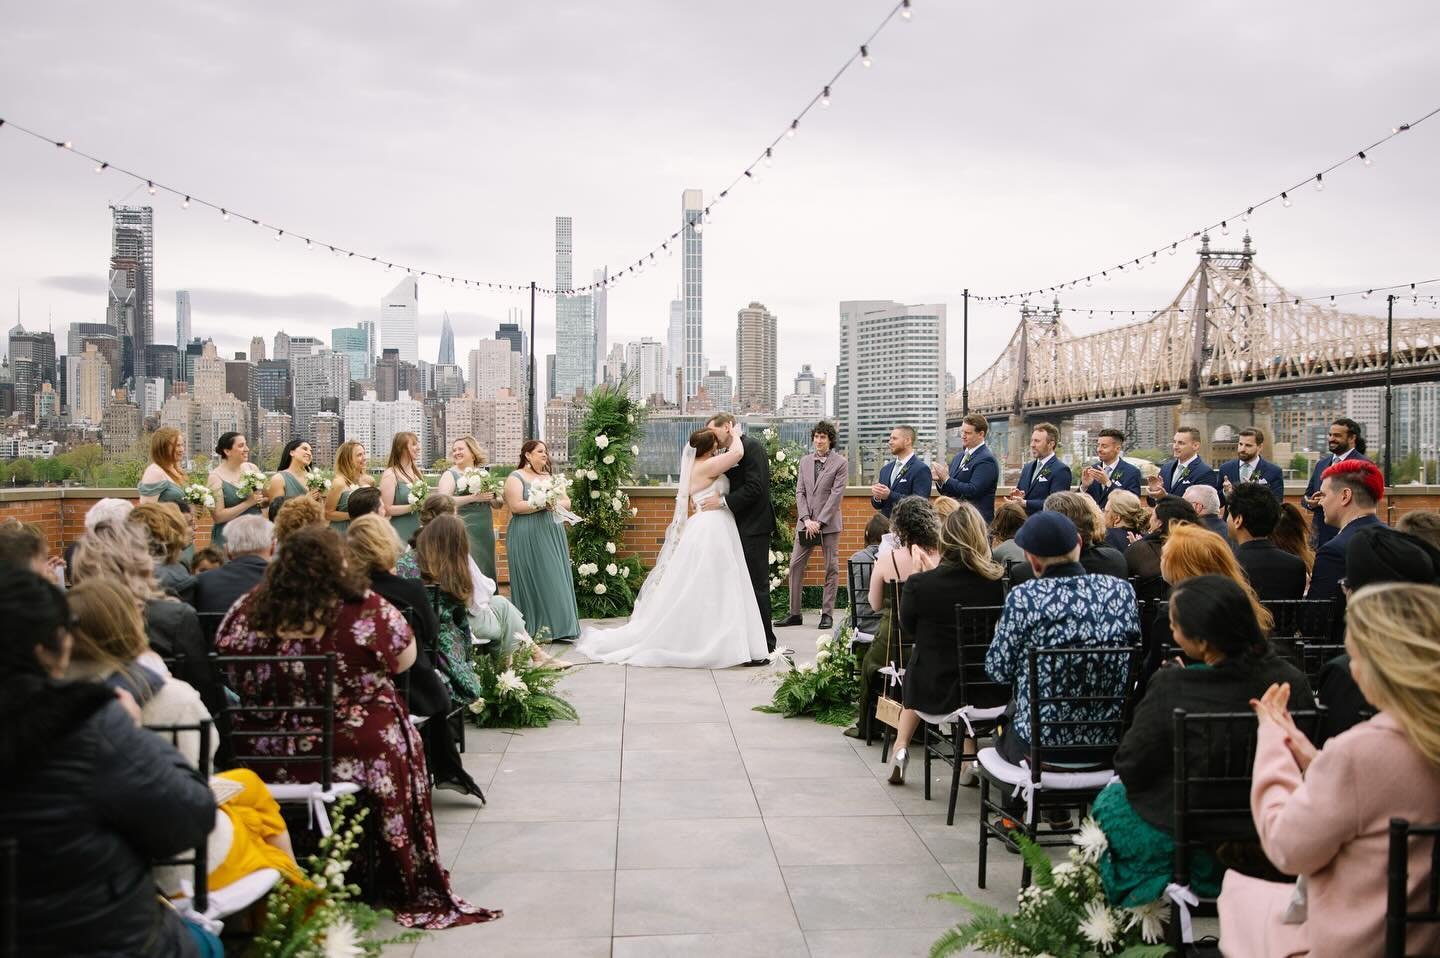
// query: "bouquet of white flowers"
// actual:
[[199, 494], [477, 481], [251, 483], [547, 491], [318, 480], [419, 489]]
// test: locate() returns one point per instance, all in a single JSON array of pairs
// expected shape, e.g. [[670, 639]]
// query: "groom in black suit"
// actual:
[[749, 501]]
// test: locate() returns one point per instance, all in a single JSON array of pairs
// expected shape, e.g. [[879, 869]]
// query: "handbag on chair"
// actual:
[[887, 708]]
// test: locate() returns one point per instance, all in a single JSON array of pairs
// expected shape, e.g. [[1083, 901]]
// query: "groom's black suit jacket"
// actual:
[[749, 496]]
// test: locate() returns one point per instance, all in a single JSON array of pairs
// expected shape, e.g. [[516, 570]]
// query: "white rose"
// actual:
[[600, 588], [630, 417], [806, 667], [824, 641], [612, 569], [610, 548], [594, 493], [602, 441], [634, 450], [634, 511], [625, 572], [821, 656], [780, 455], [608, 460]]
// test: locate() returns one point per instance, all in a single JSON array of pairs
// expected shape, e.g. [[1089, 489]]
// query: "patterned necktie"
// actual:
[[965, 459], [1246, 469], [819, 464]]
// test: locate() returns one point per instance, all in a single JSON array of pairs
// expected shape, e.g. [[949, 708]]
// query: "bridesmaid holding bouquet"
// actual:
[[471, 486], [398, 483], [541, 582], [292, 481], [238, 485], [350, 474]]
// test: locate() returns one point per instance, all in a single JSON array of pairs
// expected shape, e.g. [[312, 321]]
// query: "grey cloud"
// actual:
[[86, 284]]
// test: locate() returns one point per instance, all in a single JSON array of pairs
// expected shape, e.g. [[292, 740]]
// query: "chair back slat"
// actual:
[[1398, 916], [1096, 721], [9, 898], [210, 625], [974, 630], [286, 714], [198, 859], [857, 581]]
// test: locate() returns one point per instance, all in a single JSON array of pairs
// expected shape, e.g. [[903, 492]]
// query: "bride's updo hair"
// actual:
[[703, 441]]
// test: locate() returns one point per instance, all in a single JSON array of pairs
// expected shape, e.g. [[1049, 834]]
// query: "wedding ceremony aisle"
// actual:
[[674, 820]]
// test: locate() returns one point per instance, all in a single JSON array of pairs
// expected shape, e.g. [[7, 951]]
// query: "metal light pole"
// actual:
[[530, 431], [1389, 370], [965, 356]]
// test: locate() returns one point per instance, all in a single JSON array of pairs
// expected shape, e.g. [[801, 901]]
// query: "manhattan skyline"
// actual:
[[1028, 183]]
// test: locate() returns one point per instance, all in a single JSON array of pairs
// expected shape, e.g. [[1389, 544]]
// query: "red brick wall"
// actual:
[[61, 514]]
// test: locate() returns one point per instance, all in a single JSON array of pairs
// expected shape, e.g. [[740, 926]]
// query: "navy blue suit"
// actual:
[[1124, 476], [1323, 533], [1266, 472], [914, 480], [974, 481], [1329, 566], [1054, 477], [1200, 474]]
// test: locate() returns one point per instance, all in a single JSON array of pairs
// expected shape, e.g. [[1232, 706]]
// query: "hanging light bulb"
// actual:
[[864, 55], [1285, 200], [278, 234], [824, 97], [1365, 159], [100, 168], [1319, 182], [1224, 228], [1173, 247], [794, 128], [225, 215], [769, 157], [697, 227], [905, 11], [150, 187], [666, 247], [1246, 215], [1366, 294]]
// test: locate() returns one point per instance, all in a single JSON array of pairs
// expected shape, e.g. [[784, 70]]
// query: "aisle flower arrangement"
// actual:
[[784, 472], [325, 918], [1063, 913], [516, 692], [826, 689], [604, 456]]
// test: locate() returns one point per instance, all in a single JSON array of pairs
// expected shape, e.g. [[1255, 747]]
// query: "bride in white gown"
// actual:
[[696, 609]]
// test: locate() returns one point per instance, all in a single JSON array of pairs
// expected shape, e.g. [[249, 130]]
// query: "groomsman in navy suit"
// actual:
[[905, 475], [1110, 470], [1044, 473], [1345, 443], [973, 474], [1248, 466], [1186, 469]]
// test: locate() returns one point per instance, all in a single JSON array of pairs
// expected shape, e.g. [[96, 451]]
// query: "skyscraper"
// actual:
[[32, 363], [807, 400], [90, 389], [512, 334], [400, 320], [208, 374], [257, 349], [106, 341], [132, 248], [645, 365], [354, 343], [721, 389], [319, 377], [692, 210], [755, 359], [446, 356], [492, 368], [602, 333], [371, 347], [182, 317], [891, 373], [282, 347], [674, 348], [574, 321]]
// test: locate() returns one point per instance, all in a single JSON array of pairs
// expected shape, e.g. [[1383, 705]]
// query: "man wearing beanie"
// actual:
[[1376, 554], [1350, 492], [1061, 608]]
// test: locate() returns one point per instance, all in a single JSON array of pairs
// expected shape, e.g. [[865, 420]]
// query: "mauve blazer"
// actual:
[[819, 497]]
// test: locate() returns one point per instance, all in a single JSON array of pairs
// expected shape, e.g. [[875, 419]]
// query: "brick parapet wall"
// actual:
[[60, 512]]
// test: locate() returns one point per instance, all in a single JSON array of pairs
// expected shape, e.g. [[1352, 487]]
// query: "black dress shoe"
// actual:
[[788, 621], [754, 663], [825, 623]]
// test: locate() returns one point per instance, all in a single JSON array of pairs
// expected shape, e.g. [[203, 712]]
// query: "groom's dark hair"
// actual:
[[720, 419]]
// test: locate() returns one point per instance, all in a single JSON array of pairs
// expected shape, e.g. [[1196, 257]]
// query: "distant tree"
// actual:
[[22, 472], [1299, 464], [1406, 470], [440, 465], [84, 461], [1156, 456]]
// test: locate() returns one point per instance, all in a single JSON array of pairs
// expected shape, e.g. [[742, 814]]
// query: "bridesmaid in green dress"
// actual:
[[541, 583], [476, 510], [163, 479], [350, 474], [402, 470], [224, 482], [289, 482]]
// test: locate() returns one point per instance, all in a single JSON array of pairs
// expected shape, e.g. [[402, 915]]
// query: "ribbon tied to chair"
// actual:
[[895, 674], [1184, 899], [316, 797]]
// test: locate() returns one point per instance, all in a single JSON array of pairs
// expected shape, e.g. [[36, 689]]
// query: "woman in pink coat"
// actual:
[[1325, 815]]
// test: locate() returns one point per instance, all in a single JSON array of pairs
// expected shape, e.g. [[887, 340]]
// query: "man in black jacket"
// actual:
[[249, 541], [749, 501], [1273, 572]]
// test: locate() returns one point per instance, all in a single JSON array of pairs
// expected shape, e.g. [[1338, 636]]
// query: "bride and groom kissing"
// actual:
[[706, 604]]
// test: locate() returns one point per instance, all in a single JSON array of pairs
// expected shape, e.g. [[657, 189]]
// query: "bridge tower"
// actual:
[[1039, 330]]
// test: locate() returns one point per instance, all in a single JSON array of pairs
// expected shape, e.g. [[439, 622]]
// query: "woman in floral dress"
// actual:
[[310, 604]]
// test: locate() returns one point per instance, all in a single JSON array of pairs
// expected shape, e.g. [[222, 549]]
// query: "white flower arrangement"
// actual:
[[587, 568], [634, 511], [475, 481], [547, 491], [630, 418], [634, 450], [780, 455], [599, 588], [617, 505], [594, 493], [419, 489], [318, 480], [511, 684], [624, 572], [199, 494], [602, 441], [821, 655], [251, 483], [1091, 841], [609, 459], [477, 706], [341, 938], [612, 569], [1099, 924], [823, 641], [610, 548]]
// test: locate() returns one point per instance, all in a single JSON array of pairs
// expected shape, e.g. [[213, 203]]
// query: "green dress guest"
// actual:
[[402, 471], [542, 585], [478, 509], [342, 504], [349, 475]]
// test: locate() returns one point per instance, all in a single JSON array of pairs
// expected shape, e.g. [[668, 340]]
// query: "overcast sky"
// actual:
[[994, 146]]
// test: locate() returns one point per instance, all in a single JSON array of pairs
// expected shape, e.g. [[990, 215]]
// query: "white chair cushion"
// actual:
[[234, 897], [962, 713], [998, 768]]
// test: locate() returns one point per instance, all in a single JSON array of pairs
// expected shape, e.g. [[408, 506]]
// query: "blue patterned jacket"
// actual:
[[1064, 609]]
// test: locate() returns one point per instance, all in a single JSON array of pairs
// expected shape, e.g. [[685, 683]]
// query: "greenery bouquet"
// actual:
[[606, 447], [827, 689], [516, 692]]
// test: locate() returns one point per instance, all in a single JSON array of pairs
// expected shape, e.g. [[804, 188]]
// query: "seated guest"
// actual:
[[1009, 517], [90, 798], [1095, 555], [867, 620], [364, 501], [210, 557], [107, 510], [1253, 515], [915, 530], [23, 545], [110, 648], [1127, 519], [965, 573], [1424, 525], [1292, 534], [372, 548], [1212, 620], [166, 532], [297, 514], [1350, 492], [250, 541], [1143, 557], [1206, 503], [1063, 607], [118, 551], [1376, 555], [1325, 815], [435, 504], [310, 603]]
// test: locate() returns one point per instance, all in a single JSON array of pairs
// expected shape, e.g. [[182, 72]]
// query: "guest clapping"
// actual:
[[906, 474]]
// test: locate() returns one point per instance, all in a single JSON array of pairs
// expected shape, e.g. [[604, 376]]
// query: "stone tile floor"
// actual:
[[672, 820]]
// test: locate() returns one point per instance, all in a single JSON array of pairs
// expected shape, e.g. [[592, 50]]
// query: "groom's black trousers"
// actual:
[[757, 562]]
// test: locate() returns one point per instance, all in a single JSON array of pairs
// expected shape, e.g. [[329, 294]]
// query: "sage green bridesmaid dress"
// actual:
[[479, 519], [404, 525], [232, 498], [167, 490], [541, 583], [341, 504]]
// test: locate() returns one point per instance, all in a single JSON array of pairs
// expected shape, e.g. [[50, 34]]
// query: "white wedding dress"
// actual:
[[697, 610]]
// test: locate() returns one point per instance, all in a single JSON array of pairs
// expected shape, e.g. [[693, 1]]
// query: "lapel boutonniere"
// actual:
[[1044, 473], [1184, 474]]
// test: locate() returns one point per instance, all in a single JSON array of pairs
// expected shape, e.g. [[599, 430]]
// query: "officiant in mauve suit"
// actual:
[[818, 497]]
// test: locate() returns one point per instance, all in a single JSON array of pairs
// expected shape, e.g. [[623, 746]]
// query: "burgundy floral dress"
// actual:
[[375, 745]]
